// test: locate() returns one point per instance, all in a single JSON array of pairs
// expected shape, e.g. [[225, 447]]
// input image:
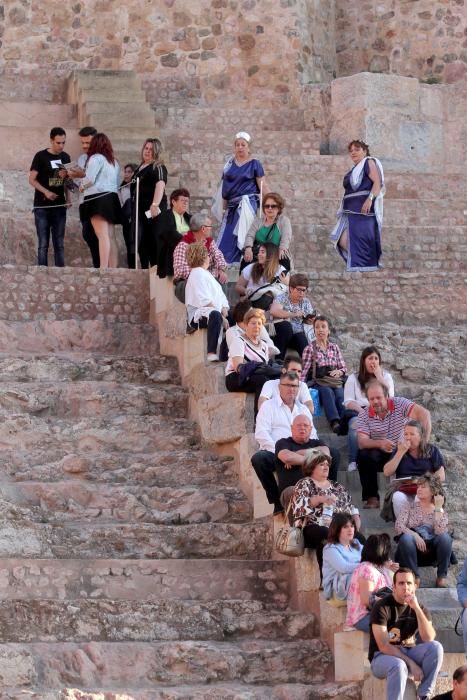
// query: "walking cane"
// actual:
[[137, 223]]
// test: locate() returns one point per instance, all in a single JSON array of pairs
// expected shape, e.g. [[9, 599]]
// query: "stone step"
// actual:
[[110, 114], [76, 336], [21, 538], [144, 666], [122, 467], [144, 621], [38, 293], [75, 502], [145, 580], [141, 434], [102, 79], [229, 121], [153, 370], [85, 398], [210, 691]]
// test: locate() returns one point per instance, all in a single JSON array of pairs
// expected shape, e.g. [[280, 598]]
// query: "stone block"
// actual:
[[305, 582], [376, 688], [223, 417], [385, 111], [331, 619], [350, 653]]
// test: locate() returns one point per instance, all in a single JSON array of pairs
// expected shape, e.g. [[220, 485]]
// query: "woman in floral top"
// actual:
[[423, 530], [329, 361], [311, 494]]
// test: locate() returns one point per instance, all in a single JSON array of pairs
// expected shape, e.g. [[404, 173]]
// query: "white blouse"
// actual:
[[354, 392]]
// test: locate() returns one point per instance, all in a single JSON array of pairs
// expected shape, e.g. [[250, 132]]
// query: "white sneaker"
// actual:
[[212, 357], [352, 467]]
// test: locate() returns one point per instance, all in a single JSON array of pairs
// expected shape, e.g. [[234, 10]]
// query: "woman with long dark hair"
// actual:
[[262, 273], [101, 204], [357, 233], [355, 399], [374, 572]]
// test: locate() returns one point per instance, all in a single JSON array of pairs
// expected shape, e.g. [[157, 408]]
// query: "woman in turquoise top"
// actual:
[[273, 226], [241, 186]]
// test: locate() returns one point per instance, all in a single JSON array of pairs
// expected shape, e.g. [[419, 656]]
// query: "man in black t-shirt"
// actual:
[[459, 682], [50, 197], [290, 454], [394, 652]]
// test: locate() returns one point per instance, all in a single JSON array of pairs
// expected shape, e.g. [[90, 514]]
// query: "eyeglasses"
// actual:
[[270, 206], [302, 290], [207, 225]]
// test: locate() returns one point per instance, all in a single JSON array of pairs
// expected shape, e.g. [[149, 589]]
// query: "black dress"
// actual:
[[148, 176]]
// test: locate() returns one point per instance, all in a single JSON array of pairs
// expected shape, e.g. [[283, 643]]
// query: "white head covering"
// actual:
[[243, 135]]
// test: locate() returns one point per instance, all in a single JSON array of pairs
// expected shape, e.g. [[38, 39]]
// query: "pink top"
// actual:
[[368, 571]]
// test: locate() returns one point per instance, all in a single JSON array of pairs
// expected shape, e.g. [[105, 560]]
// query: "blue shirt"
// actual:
[[339, 563]]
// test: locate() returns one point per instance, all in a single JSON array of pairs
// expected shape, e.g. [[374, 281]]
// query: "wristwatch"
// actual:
[[371, 196]]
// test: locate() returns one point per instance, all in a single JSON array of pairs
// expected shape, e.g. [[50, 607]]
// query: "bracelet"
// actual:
[[439, 510], [371, 196]]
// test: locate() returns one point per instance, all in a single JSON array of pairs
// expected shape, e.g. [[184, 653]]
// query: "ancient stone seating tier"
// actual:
[[225, 419]]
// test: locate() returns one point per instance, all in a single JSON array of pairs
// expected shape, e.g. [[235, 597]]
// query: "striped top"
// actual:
[[391, 426]]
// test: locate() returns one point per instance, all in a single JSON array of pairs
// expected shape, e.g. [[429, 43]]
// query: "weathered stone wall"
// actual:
[[73, 293], [249, 50], [425, 39]]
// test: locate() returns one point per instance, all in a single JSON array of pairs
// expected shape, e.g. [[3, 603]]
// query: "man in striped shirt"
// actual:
[[379, 429]]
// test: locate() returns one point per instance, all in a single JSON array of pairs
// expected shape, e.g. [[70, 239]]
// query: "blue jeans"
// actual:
[[332, 400], [352, 440], [428, 655], [50, 221], [438, 549], [363, 624]]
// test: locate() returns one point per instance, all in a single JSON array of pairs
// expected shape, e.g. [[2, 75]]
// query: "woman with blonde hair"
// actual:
[[152, 177], [248, 353], [206, 304]]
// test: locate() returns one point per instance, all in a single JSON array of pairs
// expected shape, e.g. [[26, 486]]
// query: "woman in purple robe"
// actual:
[[357, 234], [240, 191]]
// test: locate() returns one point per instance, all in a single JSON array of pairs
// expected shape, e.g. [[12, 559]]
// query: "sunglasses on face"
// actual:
[[271, 206]]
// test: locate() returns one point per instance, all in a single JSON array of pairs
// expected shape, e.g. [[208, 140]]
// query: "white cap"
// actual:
[[243, 135]]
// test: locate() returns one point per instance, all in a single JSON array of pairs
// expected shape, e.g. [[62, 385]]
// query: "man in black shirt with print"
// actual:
[[394, 652], [50, 197]]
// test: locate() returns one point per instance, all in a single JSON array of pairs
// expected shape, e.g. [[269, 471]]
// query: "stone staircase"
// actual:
[[130, 563]]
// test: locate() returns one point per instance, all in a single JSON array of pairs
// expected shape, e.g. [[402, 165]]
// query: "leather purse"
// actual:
[[289, 540]]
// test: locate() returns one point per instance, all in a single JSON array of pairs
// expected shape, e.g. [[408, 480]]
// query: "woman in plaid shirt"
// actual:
[[329, 361]]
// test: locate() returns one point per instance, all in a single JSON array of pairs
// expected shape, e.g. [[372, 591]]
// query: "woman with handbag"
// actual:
[[315, 500], [423, 529], [413, 457], [374, 573], [324, 369], [355, 399], [341, 556], [272, 226], [248, 365], [263, 280]]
